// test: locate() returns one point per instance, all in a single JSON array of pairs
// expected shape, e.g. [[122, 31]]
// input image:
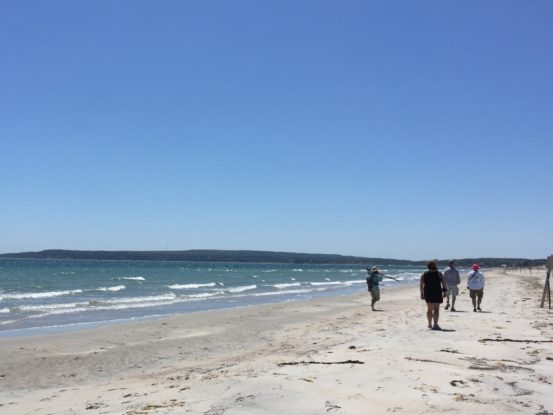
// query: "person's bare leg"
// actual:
[[429, 314], [453, 298], [436, 313]]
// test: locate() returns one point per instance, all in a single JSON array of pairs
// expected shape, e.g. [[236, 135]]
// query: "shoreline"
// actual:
[[289, 357], [207, 306]]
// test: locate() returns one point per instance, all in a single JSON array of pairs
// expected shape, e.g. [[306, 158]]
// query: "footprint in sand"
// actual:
[[95, 405], [331, 407]]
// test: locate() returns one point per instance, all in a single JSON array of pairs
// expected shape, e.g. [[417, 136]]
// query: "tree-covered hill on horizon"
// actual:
[[210, 255]]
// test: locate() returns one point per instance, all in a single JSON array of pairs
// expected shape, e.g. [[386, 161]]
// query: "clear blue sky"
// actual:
[[397, 129]]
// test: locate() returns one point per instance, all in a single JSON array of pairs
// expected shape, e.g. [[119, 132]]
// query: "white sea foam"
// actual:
[[326, 283], [202, 295], [283, 292], [355, 282], [49, 306], [145, 299], [117, 304], [48, 294], [297, 270], [243, 288], [190, 286], [134, 278], [4, 310], [293, 284], [116, 288]]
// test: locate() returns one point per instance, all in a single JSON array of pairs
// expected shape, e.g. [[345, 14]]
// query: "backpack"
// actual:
[[370, 282]]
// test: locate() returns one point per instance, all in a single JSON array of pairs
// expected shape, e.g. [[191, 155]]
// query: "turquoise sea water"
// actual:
[[42, 295]]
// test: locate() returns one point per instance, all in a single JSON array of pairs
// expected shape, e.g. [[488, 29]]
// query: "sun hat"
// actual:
[[375, 268], [475, 266]]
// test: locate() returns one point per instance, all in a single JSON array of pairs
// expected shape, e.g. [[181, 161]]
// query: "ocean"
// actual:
[[41, 296]]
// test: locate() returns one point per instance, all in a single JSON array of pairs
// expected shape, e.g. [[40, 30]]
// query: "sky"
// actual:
[[394, 129]]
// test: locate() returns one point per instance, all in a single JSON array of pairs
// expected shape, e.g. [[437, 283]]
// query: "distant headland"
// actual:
[[211, 255]]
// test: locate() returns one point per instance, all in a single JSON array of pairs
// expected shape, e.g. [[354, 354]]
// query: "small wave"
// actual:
[[297, 270], [202, 295], [135, 300], [284, 292], [354, 282], [326, 283], [119, 304], [133, 278], [4, 310], [47, 294], [116, 288], [243, 288], [293, 284], [190, 286], [48, 306]]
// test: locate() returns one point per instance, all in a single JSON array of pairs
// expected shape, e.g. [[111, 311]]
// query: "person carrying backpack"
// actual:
[[373, 279]]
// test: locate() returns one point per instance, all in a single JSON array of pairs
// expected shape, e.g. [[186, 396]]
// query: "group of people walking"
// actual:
[[435, 286]]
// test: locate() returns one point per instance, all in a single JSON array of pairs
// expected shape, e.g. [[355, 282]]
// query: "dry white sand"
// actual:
[[331, 356]]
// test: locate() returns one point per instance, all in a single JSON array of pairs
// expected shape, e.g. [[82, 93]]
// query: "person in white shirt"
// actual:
[[475, 284], [452, 281]]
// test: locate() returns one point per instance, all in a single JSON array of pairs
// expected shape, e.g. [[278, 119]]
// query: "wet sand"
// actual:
[[322, 356]]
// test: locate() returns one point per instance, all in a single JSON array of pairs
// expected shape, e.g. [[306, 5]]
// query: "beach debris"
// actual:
[[216, 410], [515, 340], [449, 350], [414, 359], [243, 398], [461, 398], [344, 362], [149, 408], [95, 405], [330, 406], [455, 383]]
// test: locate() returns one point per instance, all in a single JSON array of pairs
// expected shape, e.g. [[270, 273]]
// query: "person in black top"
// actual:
[[433, 287]]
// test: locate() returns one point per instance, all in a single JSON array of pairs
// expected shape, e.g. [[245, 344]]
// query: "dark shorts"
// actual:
[[477, 293], [435, 297]]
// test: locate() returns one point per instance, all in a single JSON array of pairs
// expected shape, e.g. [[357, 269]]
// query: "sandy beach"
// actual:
[[332, 356]]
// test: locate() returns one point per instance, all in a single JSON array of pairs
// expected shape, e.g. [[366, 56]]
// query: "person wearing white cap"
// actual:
[[475, 284]]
